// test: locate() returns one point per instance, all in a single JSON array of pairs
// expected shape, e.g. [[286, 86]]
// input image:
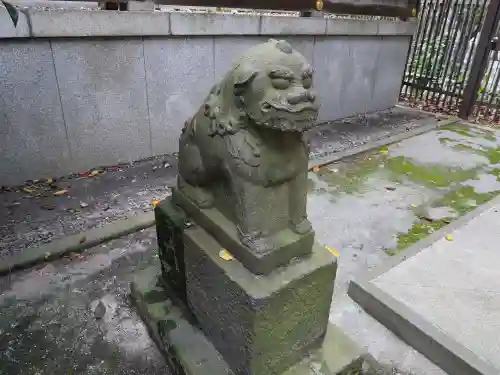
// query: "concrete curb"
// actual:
[[76, 242], [84, 240], [412, 328]]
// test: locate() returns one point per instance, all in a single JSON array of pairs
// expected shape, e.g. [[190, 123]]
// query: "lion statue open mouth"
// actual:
[[243, 154]]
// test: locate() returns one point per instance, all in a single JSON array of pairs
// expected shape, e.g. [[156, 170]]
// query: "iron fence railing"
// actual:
[[453, 63]]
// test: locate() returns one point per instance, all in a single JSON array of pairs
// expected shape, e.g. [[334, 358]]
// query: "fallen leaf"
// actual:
[[28, 190], [100, 310], [50, 180], [333, 251], [154, 202], [75, 256], [384, 150], [47, 255], [449, 237], [413, 205], [60, 192], [226, 255], [390, 188], [83, 204], [315, 169], [94, 173], [83, 239]]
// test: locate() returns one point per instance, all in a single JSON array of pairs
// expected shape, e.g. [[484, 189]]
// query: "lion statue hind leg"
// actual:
[[193, 178]]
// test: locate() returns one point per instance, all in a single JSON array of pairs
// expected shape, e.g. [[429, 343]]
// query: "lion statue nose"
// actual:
[[301, 97]]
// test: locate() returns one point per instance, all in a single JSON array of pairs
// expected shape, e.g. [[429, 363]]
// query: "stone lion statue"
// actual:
[[243, 156]]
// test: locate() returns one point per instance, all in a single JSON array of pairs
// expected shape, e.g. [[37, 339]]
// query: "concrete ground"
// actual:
[[48, 324]]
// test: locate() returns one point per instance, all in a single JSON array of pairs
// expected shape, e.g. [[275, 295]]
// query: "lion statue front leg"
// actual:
[[259, 223], [297, 205]]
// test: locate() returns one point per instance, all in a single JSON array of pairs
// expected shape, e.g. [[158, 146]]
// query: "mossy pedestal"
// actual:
[[170, 224], [211, 316], [188, 350]]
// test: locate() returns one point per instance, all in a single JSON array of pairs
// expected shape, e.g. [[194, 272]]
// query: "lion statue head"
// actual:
[[270, 86]]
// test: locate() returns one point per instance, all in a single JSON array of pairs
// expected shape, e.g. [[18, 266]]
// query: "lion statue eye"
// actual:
[[280, 83], [307, 82]]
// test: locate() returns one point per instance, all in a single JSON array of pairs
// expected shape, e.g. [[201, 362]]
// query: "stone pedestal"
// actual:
[[212, 316], [188, 351], [260, 324], [170, 224]]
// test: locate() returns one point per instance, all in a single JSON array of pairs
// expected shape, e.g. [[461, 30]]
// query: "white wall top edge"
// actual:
[[62, 23]]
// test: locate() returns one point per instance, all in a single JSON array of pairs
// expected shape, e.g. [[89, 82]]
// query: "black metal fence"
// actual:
[[453, 63]]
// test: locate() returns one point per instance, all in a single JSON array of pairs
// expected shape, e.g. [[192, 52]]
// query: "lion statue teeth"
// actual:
[[242, 155]]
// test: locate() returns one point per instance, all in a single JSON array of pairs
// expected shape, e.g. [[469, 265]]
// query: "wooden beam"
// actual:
[[403, 9], [395, 8], [400, 9]]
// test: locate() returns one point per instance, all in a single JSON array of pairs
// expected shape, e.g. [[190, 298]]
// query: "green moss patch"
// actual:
[[350, 175], [472, 132], [430, 175], [417, 232], [396, 168], [461, 200]]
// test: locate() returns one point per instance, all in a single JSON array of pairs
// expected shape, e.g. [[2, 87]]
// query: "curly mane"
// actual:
[[224, 106]]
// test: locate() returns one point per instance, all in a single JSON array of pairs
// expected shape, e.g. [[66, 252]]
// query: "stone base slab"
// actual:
[[189, 352], [214, 222]]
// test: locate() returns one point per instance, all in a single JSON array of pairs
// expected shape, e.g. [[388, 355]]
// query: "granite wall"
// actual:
[[84, 88]]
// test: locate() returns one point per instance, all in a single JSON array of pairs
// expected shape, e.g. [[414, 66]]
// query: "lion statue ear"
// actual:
[[244, 75]]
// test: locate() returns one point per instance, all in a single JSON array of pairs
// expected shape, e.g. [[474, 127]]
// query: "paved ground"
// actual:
[[376, 204], [48, 325]]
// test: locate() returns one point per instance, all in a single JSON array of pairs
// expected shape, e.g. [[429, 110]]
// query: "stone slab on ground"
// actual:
[[443, 295], [188, 351]]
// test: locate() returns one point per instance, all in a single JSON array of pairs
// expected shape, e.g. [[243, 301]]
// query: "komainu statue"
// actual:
[[243, 161]]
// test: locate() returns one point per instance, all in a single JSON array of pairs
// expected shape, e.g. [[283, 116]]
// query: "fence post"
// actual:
[[479, 62]]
